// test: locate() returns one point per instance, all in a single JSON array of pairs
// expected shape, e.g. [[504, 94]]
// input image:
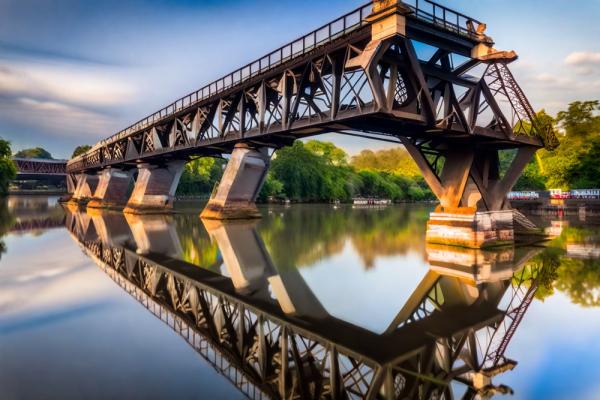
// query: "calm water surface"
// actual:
[[310, 301]]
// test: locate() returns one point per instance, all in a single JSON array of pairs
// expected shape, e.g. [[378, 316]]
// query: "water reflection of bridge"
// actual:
[[34, 213], [269, 335]]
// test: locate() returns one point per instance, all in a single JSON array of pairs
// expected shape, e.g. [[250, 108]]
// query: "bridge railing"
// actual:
[[423, 10]]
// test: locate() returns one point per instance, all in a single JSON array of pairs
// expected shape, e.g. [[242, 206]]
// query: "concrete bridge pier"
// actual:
[[241, 182], [154, 189], [85, 188], [112, 190], [473, 210]]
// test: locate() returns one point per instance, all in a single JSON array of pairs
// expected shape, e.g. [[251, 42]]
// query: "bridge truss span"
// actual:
[[337, 78]]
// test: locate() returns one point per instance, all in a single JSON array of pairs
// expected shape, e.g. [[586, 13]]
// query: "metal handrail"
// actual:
[[424, 10]]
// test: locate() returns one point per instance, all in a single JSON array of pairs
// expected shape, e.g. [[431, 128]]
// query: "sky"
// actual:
[[74, 72]]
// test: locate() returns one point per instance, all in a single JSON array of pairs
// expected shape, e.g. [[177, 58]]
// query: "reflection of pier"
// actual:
[[256, 329]]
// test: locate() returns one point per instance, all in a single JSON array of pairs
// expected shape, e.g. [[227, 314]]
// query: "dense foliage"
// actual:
[[36, 152], [320, 171], [200, 176], [79, 150], [8, 171], [574, 164]]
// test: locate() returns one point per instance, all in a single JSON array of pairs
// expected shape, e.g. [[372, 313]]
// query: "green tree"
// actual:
[[395, 160], [301, 171], [334, 155], [36, 152], [8, 171], [79, 150], [585, 172], [580, 119], [271, 188], [200, 176]]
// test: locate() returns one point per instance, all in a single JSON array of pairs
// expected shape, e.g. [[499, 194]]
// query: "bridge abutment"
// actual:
[[242, 180], [112, 190], [154, 189], [85, 188]]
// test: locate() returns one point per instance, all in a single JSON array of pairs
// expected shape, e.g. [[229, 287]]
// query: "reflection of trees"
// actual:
[[578, 278], [302, 235], [6, 222], [391, 232], [195, 243]]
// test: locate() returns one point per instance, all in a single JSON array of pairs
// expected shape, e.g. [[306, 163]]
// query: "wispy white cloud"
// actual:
[[77, 84], [62, 119], [583, 58], [586, 63]]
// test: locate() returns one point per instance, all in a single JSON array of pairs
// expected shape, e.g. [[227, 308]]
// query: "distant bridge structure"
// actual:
[[413, 72], [44, 170]]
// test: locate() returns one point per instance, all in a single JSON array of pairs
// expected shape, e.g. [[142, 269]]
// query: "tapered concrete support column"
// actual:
[[85, 188], [245, 257], [241, 182], [112, 190], [251, 270], [71, 183], [155, 234], [112, 228], [154, 189]]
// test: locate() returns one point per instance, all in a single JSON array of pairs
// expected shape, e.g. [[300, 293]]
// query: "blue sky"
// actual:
[[74, 72]]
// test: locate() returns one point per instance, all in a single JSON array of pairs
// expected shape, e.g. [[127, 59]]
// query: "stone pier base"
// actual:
[[241, 182], [154, 189], [474, 230], [112, 190]]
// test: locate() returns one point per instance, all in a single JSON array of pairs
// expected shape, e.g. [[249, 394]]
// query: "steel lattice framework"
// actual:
[[34, 166], [337, 79], [268, 354]]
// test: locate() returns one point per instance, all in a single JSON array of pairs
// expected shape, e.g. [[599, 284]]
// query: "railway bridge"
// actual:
[[412, 72]]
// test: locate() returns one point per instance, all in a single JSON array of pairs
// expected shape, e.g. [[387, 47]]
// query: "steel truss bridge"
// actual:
[[41, 170], [267, 353], [429, 86], [37, 167]]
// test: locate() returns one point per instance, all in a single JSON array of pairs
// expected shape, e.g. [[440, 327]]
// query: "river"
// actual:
[[310, 301]]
